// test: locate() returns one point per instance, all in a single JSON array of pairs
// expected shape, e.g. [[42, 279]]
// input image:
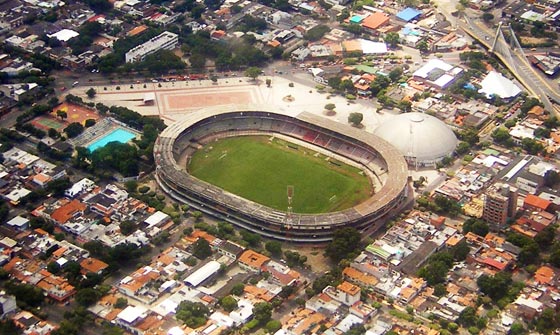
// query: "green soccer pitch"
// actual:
[[261, 168]]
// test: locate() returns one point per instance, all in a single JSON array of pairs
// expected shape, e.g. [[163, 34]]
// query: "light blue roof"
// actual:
[[356, 19], [409, 14]]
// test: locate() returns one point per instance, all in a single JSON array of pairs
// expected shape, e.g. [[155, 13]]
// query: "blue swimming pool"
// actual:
[[117, 135]]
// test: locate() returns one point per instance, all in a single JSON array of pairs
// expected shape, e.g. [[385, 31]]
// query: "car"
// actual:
[[62, 89]]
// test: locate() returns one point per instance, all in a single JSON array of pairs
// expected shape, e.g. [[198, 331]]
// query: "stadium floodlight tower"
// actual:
[[289, 211]]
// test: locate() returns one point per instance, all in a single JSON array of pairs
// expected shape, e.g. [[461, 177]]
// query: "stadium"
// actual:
[[381, 162]]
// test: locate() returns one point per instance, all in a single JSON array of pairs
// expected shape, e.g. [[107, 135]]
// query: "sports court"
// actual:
[[47, 122], [75, 113]]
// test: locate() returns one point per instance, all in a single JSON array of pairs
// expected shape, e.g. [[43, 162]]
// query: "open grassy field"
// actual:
[[261, 168]]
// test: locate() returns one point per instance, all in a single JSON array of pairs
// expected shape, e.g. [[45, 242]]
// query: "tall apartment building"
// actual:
[[164, 41], [500, 204]]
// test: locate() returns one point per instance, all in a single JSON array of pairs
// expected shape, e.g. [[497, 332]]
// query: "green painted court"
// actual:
[[46, 123], [261, 169]]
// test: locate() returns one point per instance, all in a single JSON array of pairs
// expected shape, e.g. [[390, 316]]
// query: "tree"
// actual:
[[61, 114], [533, 147], [501, 136], [253, 239], [59, 186], [74, 129], [274, 247], [121, 303], [423, 46], [355, 119], [330, 107], [392, 39], [228, 303], [26, 295], [462, 148], [197, 215], [440, 290], [434, 272], [469, 135], [127, 227], [487, 17], [193, 314], [8, 327], [547, 321], [253, 72], [497, 286], [316, 33], [395, 73], [356, 329], [89, 123], [262, 312], [551, 178], [53, 133], [345, 244], [460, 251], [476, 226], [517, 329], [268, 82], [202, 249], [53, 267], [87, 296], [542, 132], [238, 289], [91, 93], [273, 326]]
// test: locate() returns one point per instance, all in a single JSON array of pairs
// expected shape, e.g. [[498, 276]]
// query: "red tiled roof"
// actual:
[[494, 263], [537, 202], [65, 212], [375, 20]]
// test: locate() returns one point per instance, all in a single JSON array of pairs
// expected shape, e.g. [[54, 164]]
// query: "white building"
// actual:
[[19, 223], [7, 304], [163, 41], [205, 272]]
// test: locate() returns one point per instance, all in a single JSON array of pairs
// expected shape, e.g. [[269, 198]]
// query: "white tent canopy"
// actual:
[[496, 84]]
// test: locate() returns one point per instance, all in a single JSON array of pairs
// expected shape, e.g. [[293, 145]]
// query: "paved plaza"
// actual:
[[174, 100]]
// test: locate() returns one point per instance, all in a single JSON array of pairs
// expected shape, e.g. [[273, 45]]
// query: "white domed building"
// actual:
[[422, 139]]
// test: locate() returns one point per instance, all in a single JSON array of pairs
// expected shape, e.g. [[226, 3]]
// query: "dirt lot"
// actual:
[[532, 40], [315, 258]]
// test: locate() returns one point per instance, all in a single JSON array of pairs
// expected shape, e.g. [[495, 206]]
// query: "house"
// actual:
[[19, 223], [536, 203], [19, 92], [252, 261], [345, 293], [67, 211], [409, 14], [375, 21], [545, 275], [360, 278], [7, 304], [93, 265], [78, 188], [56, 288], [230, 249], [281, 274], [157, 219], [534, 221]]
